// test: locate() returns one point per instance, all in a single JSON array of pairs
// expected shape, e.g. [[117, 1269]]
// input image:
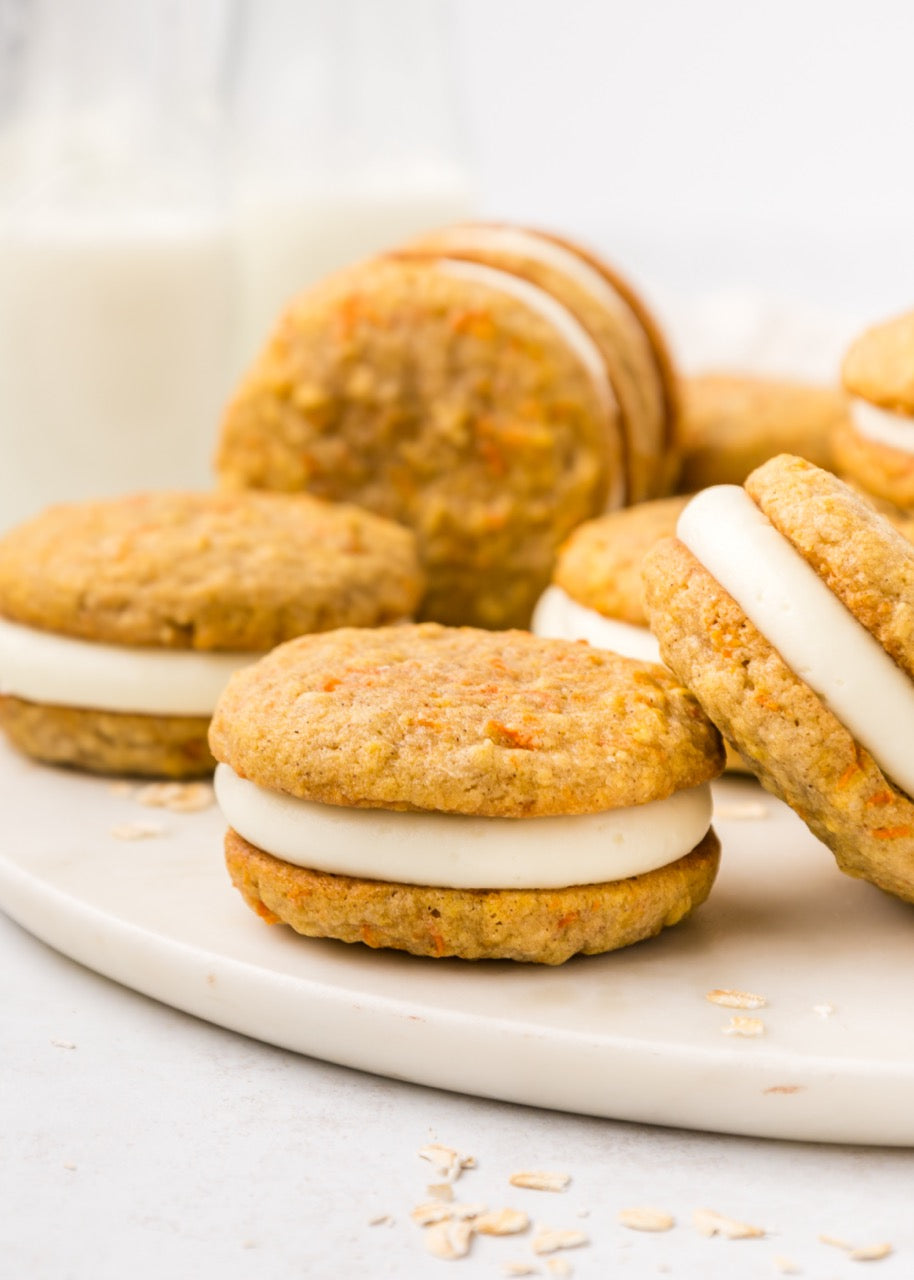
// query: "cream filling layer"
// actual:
[[455, 851], [41, 666], [818, 638], [558, 617], [883, 426], [527, 244], [568, 327]]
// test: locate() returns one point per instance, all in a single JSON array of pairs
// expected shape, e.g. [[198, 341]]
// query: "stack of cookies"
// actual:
[[501, 412]]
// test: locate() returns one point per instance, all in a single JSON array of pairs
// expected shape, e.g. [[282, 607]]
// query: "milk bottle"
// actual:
[[116, 250]]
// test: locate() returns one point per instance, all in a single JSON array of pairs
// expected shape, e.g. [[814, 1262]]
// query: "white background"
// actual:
[[706, 145]]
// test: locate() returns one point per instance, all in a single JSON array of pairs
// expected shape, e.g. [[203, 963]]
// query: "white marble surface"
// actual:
[[161, 1145]]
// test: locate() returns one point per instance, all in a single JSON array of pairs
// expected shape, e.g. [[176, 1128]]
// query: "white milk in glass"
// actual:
[[116, 347], [287, 241]]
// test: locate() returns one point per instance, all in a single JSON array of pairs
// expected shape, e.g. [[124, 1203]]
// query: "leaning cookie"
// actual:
[[455, 792], [788, 608], [875, 448], [121, 620], [731, 423], [463, 401], [635, 353]]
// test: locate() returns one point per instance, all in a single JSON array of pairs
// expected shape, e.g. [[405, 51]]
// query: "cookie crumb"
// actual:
[[540, 1180], [430, 1212], [449, 1240], [136, 830], [733, 999], [549, 1241], [871, 1252], [506, 1222], [559, 1267], [448, 1162], [69, 1166], [710, 1223], [824, 1010], [645, 1218], [440, 1191], [784, 1088], [835, 1242], [784, 1266], [63, 1044], [177, 797], [744, 1027], [380, 1220], [519, 1269]]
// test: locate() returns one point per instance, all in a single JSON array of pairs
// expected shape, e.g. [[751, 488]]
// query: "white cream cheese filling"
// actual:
[[559, 258], [558, 617], [41, 666], [569, 328], [455, 851], [818, 638], [882, 426]]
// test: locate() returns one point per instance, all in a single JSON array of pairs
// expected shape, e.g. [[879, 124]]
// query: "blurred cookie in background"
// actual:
[[874, 448], [733, 422]]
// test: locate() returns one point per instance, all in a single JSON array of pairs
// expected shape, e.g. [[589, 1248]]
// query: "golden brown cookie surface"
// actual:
[[544, 926], [860, 556], [462, 721], [205, 571], [879, 367], [109, 741], [787, 733], [599, 565], [731, 423], [884, 472], [446, 401]]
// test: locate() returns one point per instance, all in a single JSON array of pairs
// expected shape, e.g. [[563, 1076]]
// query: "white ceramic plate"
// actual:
[[628, 1035]]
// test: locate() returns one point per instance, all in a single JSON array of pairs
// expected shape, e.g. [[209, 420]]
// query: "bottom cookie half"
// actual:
[[546, 926], [108, 741]]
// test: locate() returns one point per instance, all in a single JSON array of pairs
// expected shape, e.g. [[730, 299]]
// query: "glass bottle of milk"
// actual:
[[349, 140], [116, 249]]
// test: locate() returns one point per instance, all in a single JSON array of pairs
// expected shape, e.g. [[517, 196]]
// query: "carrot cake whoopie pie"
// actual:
[[457, 792], [787, 607], [472, 399], [875, 448], [121, 620]]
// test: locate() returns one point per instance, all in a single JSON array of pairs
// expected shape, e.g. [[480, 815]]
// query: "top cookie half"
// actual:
[[462, 721], [206, 571]]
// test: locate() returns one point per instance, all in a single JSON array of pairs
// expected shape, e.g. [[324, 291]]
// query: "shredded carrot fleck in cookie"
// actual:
[[880, 798], [504, 736], [848, 774], [891, 833]]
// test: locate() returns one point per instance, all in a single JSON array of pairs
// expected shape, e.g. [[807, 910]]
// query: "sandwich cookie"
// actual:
[[121, 621], [635, 353], [875, 448], [788, 608], [462, 400], [457, 792], [732, 423]]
